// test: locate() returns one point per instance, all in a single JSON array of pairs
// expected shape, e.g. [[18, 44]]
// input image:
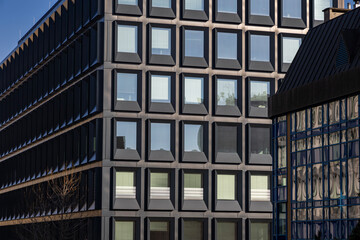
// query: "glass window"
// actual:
[[126, 87], [160, 88], [194, 43], [193, 186], [282, 218], [260, 7], [128, 2], [193, 230], [160, 136], [226, 92], [260, 231], [126, 135], [125, 230], [127, 39], [226, 230], [161, 3], [260, 188], [319, 6], [260, 48], [197, 5], [227, 6], [353, 181], [260, 140], [193, 138], [194, 90], [161, 41], [259, 93], [159, 230], [227, 45], [159, 185], [125, 185], [353, 107], [226, 187], [292, 8], [290, 47], [227, 139]]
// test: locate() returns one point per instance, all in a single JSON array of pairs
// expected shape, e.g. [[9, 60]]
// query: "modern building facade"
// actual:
[[160, 106], [316, 136]]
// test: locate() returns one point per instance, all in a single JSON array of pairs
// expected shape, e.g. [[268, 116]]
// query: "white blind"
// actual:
[[225, 187], [160, 38], [127, 39], [124, 230], [193, 90], [194, 5], [125, 185], [290, 48], [160, 88], [260, 190], [193, 189]]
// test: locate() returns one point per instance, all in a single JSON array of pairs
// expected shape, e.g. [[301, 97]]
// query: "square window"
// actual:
[[259, 90], [292, 13], [226, 187], [227, 52], [125, 230], [161, 92], [195, 9], [318, 7], [193, 186], [126, 188], [161, 189], [291, 9], [227, 229], [127, 43], [194, 142], [227, 143], [195, 49], [260, 7], [194, 192], [127, 86], [128, 7], [161, 3], [227, 191], [290, 44], [193, 229], [194, 94], [227, 6], [126, 140], [161, 44], [261, 53], [161, 141], [259, 195], [159, 230], [159, 185], [128, 2], [125, 185], [260, 229], [227, 11], [227, 101], [259, 140], [261, 12], [197, 5], [162, 8]]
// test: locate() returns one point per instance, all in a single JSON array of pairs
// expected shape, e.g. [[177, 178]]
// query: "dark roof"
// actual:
[[328, 51]]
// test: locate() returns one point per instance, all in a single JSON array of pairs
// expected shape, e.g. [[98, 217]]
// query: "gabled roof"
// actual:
[[328, 50]]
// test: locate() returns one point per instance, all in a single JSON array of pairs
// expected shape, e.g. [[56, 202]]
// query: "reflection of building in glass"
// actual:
[[316, 136]]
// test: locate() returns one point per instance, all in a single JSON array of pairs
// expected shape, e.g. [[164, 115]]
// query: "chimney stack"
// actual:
[[340, 4], [348, 5]]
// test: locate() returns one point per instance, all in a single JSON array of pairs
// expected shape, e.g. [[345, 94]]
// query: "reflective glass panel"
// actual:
[[353, 107], [260, 7], [227, 139], [353, 179], [159, 230], [226, 187], [159, 185], [260, 231], [125, 185], [226, 230], [127, 87], [160, 88], [194, 43], [193, 186], [291, 8], [127, 39], [281, 151], [260, 48], [319, 6], [126, 135], [259, 93], [260, 140], [161, 41], [161, 3], [335, 179], [227, 6], [193, 230], [226, 92], [128, 2], [193, 139], [194, 90], [125, 230], [160, 136], [227, 45], [290, 47], [197, 5]]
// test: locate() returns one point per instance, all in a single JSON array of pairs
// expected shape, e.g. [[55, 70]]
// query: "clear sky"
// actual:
[[18, 16]]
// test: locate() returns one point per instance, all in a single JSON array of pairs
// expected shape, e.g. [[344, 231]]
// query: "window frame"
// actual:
[[228, 205], [230, 158], [234, 220], [313, 21], [258, 19], [251, 220], [227, 17], [258, 206], [168, 60], [228, 110], [260, 66], [124, 9], [170, 220], [299, 23], [136, 225], [160, 204], [198, 109], [135, 58], [129, 106], [202, 62], [162, 12], [166, 156], [262, 114], [284, 67], [204, 221], [199, 15], [126, 204], [195, 157], [258, 159], [228, 63], [158, 107], [195, 205], [127, 154]]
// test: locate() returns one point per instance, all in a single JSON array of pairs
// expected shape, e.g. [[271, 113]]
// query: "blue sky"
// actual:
[[17, 17]]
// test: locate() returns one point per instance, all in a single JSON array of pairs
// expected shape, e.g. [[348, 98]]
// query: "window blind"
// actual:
[[124, 230], [260, 190], [159, 186], [193, 187], [160, 38], [225, 187], [193, 90], [160, 88], [125, 185], [127, 39]]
